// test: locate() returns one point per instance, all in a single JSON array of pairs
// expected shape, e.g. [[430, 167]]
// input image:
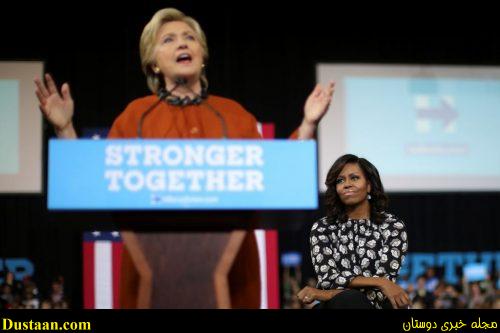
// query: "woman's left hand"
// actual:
[[317, 103], [396, 295], [315, 108]]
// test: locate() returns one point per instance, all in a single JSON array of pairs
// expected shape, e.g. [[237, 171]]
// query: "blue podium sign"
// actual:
[[182, 174]]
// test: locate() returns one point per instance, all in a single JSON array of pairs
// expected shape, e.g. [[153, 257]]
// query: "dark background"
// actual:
[[264, 57]]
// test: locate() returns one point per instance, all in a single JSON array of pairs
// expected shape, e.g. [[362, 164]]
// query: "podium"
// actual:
[[191, 183], [220, 273]]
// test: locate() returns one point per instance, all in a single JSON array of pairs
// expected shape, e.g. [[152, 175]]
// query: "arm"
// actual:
[[325, 258], [67, 132], [240, 123], [396, 295], [391, 257], [314, 109], [309, 294], [56, 107], [252, 131], [332, 279]]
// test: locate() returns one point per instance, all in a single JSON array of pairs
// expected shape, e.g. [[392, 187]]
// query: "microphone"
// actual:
[[163, 93], [221, 119], [199, 100]]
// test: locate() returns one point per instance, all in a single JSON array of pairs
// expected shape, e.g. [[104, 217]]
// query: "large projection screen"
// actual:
[[426, 128], [20, 128]]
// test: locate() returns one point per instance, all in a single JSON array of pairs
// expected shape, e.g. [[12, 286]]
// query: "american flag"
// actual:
[[267, 245], [102, 253]]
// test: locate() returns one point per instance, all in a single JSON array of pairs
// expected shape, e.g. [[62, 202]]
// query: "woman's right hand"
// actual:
[[56, 107], [396, 295]]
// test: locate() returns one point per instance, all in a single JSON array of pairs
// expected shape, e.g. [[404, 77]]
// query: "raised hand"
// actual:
[[57, 107], [315, 108], [318, 102]]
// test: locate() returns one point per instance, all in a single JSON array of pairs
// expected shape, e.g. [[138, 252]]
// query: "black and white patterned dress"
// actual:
[[342, 251]]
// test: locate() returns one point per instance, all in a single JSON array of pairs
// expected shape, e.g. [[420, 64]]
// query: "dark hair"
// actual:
[[335, 208]]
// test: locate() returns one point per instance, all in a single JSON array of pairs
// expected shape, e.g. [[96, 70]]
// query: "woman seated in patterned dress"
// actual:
[[357, 250]]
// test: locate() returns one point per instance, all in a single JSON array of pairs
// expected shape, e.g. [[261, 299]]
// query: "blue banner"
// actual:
[[182, 174]]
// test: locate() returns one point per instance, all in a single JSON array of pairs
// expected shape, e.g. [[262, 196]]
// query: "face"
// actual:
[[352, 186], [178, 51]]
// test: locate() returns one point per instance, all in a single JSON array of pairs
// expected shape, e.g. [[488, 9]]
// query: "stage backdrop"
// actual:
[[268, 64]]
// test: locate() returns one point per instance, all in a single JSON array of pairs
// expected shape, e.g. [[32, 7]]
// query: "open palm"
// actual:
[[318, 102], [56, 107]]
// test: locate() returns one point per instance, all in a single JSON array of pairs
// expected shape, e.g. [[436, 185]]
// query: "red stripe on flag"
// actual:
[[88, 275], [268, 130], [117, 264], [273, 290]]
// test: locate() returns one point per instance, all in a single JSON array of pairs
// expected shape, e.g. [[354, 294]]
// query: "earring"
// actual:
[[369, 196], [156, 70]]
